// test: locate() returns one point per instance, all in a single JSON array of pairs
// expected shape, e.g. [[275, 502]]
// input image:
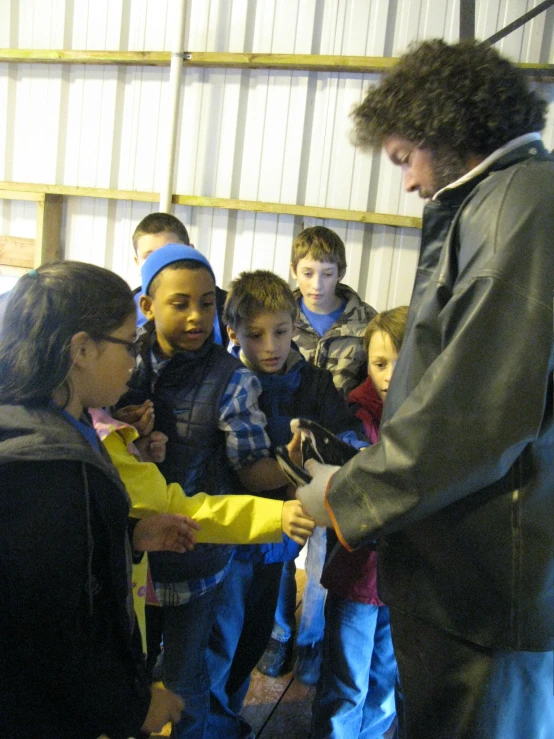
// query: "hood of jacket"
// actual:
[[43, 434], [352, 321]]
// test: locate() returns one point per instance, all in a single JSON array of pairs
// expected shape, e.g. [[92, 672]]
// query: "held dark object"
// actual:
[[316, 443]]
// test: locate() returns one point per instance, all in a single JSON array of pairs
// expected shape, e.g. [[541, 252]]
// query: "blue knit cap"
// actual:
[[160, 258]]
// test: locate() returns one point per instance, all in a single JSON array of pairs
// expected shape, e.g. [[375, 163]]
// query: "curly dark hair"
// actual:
[[464, 97]]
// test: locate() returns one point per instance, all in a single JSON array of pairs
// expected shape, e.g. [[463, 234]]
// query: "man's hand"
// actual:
[[165, 532], [139, 416], [164, 706], [152, 447], [312, 496], [296, 523]]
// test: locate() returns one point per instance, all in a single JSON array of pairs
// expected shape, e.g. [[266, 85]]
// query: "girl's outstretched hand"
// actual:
[[296, 523], [165, 532]]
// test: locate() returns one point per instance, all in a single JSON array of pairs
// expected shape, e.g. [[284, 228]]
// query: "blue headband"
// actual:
[[159, 259]]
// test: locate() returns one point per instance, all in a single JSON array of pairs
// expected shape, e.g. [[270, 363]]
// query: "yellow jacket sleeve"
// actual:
[[224, 519]]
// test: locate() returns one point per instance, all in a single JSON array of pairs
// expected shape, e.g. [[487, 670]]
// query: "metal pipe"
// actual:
[[522, 20], [175, 77]]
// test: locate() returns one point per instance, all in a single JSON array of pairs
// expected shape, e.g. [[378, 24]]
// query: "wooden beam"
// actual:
[[317, 62], [17, 252], [49, 230], [21, 195], [306, 62], [198, 201], [53, 56], [299, 210]]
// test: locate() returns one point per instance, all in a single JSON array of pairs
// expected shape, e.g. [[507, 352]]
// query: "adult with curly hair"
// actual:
[[459, 489]]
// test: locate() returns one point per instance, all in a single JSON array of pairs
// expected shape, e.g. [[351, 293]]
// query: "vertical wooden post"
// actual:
[[49, 229]]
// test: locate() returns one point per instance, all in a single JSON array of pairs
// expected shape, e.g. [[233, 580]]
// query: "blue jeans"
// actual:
[[355, 694], [312, 621], [240, 634], [186, 630]]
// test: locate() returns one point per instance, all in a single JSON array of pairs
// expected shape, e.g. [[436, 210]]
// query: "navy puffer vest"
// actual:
[[187, 397]]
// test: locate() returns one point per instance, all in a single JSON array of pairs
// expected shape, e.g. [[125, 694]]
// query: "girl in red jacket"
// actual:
[[355, 693]]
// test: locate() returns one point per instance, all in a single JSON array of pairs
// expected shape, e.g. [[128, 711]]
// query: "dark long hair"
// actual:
[[45, 309]]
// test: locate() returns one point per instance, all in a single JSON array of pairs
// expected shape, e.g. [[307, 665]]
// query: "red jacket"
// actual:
[[353, 575]]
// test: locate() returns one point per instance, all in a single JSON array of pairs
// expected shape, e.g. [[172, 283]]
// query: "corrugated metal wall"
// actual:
[[258, 135]]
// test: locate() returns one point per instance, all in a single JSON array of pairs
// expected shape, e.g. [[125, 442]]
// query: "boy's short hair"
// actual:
[[157, 223], [392, 322], [257, 292], [322, 244]]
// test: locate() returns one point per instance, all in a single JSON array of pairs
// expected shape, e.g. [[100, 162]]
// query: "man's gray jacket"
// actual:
[[460, 488]]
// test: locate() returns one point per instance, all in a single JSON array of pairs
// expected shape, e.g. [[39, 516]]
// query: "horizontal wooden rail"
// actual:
[[317, 62], [17, 252], [197, 201], [307, 62]]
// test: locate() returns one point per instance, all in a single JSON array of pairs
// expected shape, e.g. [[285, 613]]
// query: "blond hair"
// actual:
[[392, 322]]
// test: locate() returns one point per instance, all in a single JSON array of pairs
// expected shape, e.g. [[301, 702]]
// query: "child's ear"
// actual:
[[80, 348], [233, 336], [341, 274], [145, 304], [293, 271]]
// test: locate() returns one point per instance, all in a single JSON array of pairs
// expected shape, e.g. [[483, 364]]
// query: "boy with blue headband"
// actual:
[[206, 403]]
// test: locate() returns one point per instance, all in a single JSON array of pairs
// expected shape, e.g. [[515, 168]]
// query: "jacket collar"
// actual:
[[515, 150]]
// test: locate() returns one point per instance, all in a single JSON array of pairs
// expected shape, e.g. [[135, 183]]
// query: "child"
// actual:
[[70, 663], [355, 693], [329, 332], [159, 229], [206, 403], [260, 311], [218, 519]]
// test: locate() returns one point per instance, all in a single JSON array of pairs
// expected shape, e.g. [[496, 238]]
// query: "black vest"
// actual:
[[187, 397]]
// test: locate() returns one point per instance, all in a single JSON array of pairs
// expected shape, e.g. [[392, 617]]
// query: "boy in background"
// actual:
[[159, 229], [206, 404], [329, 332], [260, 312]]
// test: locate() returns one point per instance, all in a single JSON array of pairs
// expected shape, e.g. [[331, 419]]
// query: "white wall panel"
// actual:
[[256, 135]]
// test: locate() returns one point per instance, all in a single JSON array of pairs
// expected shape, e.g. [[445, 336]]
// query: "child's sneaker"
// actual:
[[276, 660], [308, 663]]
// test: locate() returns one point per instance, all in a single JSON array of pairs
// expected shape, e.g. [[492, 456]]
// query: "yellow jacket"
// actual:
[[224, 519]]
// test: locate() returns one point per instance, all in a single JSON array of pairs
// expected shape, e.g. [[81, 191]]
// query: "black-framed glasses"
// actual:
[[133, 347]]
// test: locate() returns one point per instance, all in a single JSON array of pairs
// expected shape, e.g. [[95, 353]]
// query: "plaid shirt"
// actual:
[[179, 593], [246, 440]]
